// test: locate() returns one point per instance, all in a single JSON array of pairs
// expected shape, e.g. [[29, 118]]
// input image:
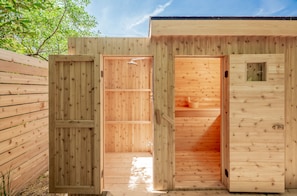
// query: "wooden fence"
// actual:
[[23, 118]]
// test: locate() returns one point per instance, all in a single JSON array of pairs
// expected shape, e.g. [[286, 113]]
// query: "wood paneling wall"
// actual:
[[199, 80], [221, 46], [23, 118], [109, 46], [128, 104], [164, 50], [197, 133]]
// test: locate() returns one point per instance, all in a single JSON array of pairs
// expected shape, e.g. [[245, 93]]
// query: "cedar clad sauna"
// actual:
[[202, 103]]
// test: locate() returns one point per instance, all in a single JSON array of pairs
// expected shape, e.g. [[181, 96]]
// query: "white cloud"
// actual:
[[158, 10], [271, 7], [130, 18]]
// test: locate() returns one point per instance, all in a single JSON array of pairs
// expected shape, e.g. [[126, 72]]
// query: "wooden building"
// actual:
[[212, 100]]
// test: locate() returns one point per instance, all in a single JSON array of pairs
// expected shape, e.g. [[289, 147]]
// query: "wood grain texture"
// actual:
[[257, 145], [198, 129], [127, 104], [164, 50], [198, 170], [74, 131], [128, 172], [223, 27], [23, 118], [22, 59], [199, 80], [197, 133]]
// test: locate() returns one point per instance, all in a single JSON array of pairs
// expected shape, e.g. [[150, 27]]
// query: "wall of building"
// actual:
[[164, 50]]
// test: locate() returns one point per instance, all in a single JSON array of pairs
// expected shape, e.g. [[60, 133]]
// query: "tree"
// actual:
[[41, 27]]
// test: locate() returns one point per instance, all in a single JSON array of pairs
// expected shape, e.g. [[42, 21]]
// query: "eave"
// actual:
[[223, 26]]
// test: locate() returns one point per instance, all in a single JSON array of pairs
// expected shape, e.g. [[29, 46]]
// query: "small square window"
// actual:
[[256, 71]]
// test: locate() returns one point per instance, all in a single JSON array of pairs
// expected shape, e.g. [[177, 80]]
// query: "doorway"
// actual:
[[128, 123], [198, 122]]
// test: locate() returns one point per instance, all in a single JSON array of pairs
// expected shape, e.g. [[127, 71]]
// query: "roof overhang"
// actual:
[[223, 26]]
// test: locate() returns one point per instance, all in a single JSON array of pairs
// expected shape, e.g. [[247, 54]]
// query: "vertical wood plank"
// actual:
[[225, 147], [98, 141], [291, 114], [52, 137], [163, 102]]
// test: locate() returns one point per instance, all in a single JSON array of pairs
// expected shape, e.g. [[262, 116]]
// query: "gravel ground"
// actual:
[[38, 188]]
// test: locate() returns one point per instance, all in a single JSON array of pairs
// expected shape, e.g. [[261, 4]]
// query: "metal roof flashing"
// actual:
[[223, 18]]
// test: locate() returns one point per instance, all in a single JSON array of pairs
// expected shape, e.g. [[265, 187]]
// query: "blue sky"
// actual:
[[130, 18]]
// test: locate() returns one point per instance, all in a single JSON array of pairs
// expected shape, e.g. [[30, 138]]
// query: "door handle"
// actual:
[[158, 116]]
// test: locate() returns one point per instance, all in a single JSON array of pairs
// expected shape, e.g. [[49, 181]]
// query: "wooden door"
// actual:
[[256, 123], [75, 139]]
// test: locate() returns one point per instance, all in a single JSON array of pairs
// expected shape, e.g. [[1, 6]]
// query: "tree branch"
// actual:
[[53, 33], [42, 57]]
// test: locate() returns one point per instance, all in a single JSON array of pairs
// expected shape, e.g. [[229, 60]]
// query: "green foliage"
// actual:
[[41, 27], [5, 189]]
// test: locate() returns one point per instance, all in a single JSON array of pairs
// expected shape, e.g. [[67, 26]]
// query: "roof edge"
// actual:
[[223, 17], [223, 26]]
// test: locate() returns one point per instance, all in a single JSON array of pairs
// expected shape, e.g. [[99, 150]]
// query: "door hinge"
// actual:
[[102, 74], [226, 74], [226, 173]]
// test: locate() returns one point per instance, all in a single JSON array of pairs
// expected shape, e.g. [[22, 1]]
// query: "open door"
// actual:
[[256, 123], [75, 138]]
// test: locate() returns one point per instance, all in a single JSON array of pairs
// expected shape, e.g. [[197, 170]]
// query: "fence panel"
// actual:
[[23, 118]]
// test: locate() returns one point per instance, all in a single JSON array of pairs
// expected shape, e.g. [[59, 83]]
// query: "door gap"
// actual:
[[198, 122]]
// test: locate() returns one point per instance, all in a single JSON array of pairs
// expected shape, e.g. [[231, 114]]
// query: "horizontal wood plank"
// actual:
[[7, 145], [14, 67], [30, 171], [128, 171], [15, 131], [13, 78], [9, 111], [273, 186], [17, 89], [223, 27], [26, 146], [22, 119], [9, 100], [200, 169], [22, 59], [74, 123], [197, 133]]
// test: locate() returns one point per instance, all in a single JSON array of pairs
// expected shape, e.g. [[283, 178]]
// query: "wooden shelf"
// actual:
[[128, 90], [196, 112], [128, 122], [198, 109]]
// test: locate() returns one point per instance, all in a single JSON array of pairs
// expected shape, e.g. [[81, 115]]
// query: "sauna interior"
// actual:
[[197, 122], [128, 127]]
